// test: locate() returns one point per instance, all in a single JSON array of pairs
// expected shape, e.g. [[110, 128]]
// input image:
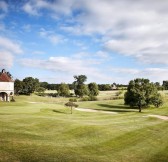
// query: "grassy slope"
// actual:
[[46, 131]]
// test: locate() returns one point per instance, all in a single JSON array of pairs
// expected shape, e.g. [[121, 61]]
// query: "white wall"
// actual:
[[6, 86]]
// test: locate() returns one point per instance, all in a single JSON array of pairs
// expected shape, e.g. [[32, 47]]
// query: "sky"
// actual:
[[106, 40]]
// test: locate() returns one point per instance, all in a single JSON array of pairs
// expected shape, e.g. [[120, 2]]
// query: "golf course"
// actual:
[[42, 129]]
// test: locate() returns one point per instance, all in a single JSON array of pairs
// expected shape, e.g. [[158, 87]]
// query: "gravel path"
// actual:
[[91, 110], [160, 117]]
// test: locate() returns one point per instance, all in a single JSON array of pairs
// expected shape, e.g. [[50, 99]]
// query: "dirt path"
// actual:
[[91, 110], [159, 116]]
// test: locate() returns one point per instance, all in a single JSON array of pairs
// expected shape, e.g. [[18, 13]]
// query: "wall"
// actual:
[[7, 87]]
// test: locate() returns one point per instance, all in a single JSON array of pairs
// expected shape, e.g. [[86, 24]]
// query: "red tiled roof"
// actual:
[[5, 78]]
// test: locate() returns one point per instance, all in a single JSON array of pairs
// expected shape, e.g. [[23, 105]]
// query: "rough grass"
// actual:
[[36, 129]]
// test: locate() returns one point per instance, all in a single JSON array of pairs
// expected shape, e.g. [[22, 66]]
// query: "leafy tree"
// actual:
[[71, 105], [80, 79], [81, 90], [40, 89], [141, 93], [30, 85], [104, 87], [44, 85], [63, 90], [165, 84], [157, 100], [79, 87], [93, 89], [18, 86]]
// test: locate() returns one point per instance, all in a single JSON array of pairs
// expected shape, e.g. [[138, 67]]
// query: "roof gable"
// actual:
[[4, 77]]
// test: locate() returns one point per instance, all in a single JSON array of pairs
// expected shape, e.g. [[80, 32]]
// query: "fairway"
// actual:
[[38, 129]]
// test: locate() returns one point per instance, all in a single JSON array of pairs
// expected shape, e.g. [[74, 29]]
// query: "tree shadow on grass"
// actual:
[[117, 108], [57, 111]]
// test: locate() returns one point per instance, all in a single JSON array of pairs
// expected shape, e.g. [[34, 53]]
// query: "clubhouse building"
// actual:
[[6, 86]]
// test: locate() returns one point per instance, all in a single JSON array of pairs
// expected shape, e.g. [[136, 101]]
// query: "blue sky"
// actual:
[[106, 40]]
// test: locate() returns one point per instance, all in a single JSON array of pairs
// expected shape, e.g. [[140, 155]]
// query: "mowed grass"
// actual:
[[36, 129]]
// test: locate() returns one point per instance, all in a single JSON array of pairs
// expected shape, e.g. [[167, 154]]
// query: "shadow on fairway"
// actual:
[[117, 108], [59, 112]]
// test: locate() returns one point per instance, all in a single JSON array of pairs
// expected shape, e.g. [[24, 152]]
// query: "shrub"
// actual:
[[73, 100]]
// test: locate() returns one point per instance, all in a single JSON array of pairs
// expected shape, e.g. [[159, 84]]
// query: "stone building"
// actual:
[[6, 86]]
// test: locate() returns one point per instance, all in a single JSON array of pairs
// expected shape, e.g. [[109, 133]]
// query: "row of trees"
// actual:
[[30, 85]]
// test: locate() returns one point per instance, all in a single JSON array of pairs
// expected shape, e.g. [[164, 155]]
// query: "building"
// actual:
[[6, 86]]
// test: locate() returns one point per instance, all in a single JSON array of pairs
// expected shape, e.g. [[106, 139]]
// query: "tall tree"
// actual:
[[79, 87], [18, 86], [93, 89], [81, 90], [141, 93], [63, 90], [80, 79], [30, 85]]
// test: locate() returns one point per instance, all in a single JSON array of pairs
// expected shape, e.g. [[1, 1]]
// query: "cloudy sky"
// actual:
[[107, 40]]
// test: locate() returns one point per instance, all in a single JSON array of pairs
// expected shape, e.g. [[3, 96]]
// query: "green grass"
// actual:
[[41, 129]]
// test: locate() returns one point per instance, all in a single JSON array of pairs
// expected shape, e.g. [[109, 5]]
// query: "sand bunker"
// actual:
[[159, 116], [92, 110]]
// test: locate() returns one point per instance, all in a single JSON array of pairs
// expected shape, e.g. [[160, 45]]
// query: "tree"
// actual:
[[44, 85], [80, 79], [63, 90], [141, 93], [71, 105], [157, 100], [165, 84], [30, 85], [81, 90], [79, 87], [18, 86], [40, 90], [93, 89]]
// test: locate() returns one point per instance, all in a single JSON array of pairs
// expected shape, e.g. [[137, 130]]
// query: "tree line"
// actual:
[[30, 85]]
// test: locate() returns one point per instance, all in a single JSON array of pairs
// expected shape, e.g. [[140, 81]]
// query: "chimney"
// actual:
[[3, 70]]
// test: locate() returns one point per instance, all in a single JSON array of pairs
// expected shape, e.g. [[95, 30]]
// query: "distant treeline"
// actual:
[[101, 87]]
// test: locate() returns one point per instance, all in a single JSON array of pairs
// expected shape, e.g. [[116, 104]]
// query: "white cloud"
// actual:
[[51, 36], [154, 74], [34, 7], [6, 59], [132, 28], [8, 49], [3, 9], [10, 45], [68, 66]]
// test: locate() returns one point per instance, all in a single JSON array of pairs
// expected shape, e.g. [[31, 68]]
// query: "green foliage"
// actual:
[[30, 85], [165, 84], [73, 100], [81, 90], [89, 98], [157, 100], [80, 79], [44, 85], [40, 90], [93, 89], [63, 90], [71, 105], [118, 93], [18, 86], [104, 87], [141, 93]]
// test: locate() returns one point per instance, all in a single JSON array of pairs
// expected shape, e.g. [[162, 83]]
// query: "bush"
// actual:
[[85, 99], [92, 98], [89, 98], [73, 100]]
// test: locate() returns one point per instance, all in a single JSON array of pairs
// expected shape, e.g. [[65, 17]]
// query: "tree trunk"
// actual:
[[139, 108]]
